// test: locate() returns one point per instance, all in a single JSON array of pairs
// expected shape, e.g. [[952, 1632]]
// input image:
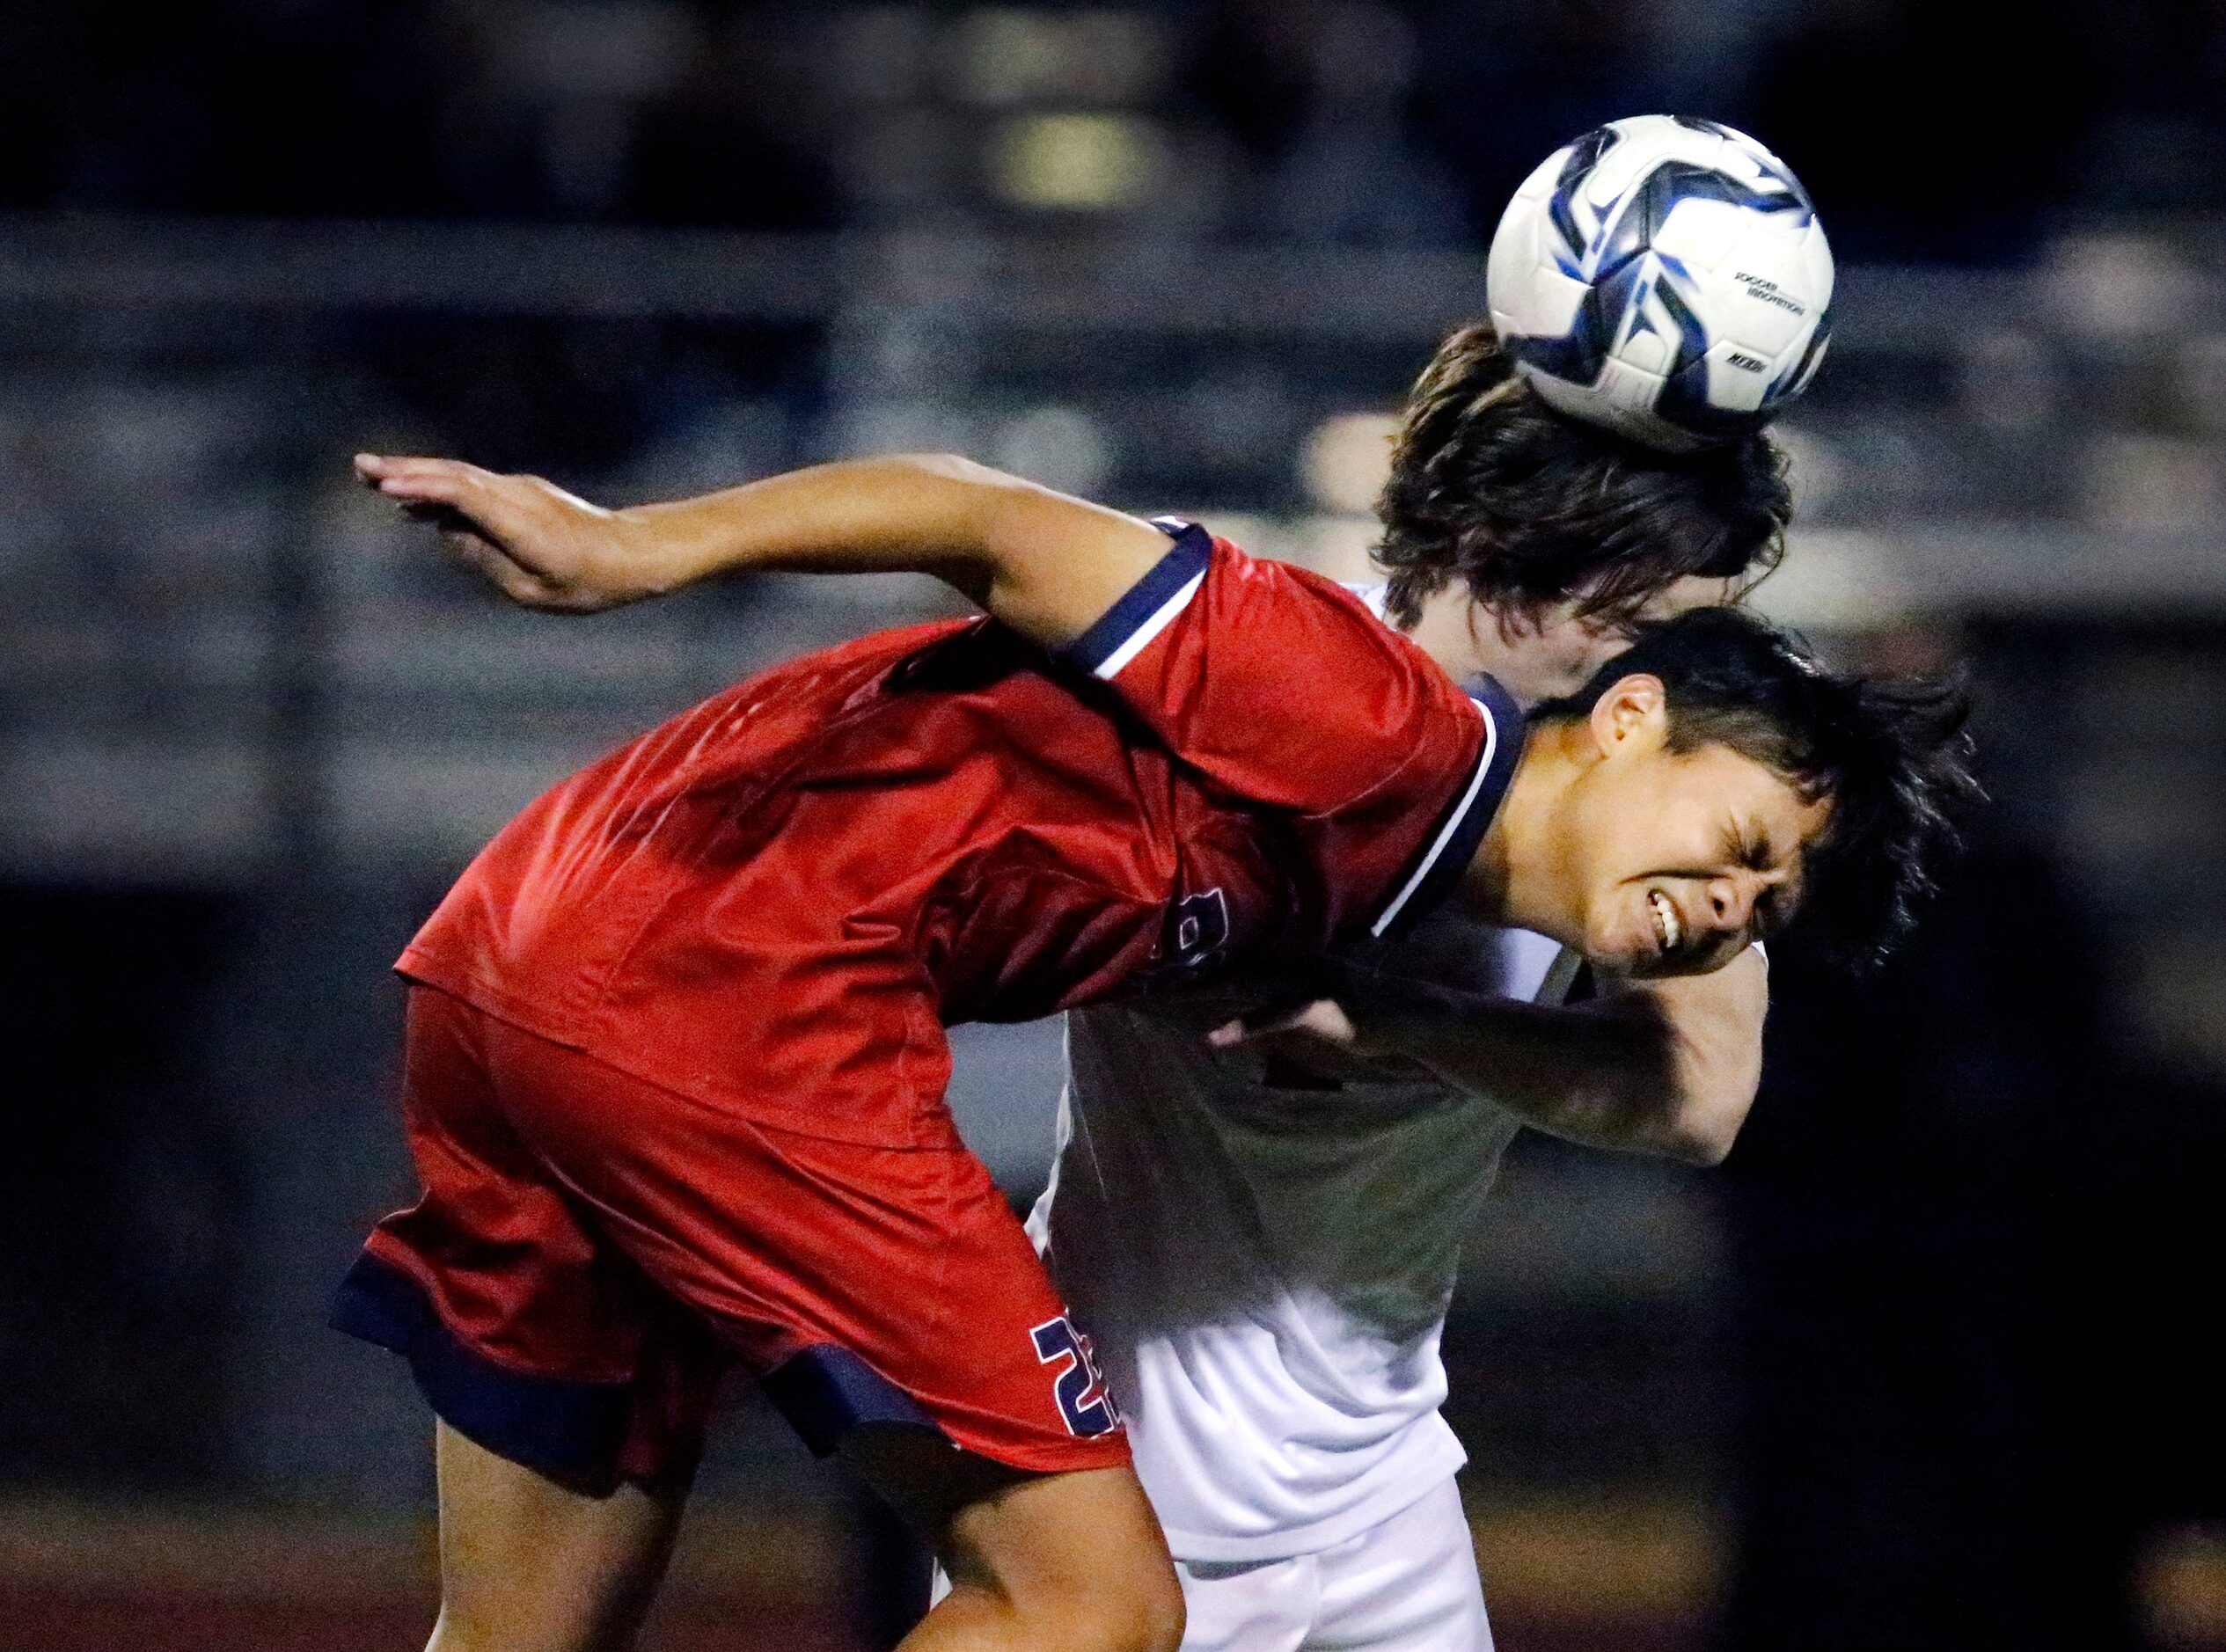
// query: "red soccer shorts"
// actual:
[[592, 1251]]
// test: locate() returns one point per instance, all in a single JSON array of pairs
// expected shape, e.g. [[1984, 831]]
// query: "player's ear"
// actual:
[[1631, 717]]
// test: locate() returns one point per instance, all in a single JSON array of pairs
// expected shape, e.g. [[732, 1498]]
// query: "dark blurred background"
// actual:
[[1919, 1368]]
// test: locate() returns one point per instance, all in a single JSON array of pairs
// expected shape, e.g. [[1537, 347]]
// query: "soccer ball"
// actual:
[[1665, 277]]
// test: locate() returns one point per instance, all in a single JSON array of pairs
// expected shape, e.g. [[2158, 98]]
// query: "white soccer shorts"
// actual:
[[1408, 1584]]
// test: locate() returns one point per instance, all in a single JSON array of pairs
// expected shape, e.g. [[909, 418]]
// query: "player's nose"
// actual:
[[1731, 902]]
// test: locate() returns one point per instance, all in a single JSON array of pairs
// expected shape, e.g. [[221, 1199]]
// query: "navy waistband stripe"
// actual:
[[570, 1431], [827, 1391]]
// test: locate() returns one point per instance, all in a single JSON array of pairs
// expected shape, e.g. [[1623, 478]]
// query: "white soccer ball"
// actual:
[[1663, 276]]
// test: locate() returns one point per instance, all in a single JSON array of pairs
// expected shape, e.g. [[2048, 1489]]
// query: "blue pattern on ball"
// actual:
[[1583, 155], [1612, 263]]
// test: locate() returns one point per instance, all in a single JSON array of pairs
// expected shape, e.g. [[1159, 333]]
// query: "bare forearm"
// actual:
[[1714, 1026], [1602, 1078], [893, 515], [1046, 564], [924, 514], [1639, 1071]]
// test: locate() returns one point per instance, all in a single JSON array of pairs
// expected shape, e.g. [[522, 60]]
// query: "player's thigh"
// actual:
[[855, 1280], [1408, 1584], [1263, 1606], [528, 1565], [1076, 1556]]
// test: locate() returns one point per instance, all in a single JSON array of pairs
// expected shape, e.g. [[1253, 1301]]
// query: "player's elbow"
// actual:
[[953, 467], [1703, 1147], [1703, 1128], [972, 507]]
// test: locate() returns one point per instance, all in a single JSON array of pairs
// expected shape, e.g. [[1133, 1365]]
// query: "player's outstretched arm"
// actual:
[[1044, 563], [1664, 1067]]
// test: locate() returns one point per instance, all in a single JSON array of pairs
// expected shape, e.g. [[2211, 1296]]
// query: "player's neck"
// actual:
[[1518, 874], [1454, 631]]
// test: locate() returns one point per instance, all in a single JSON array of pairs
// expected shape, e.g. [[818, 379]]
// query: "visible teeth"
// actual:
[[1668, 929]]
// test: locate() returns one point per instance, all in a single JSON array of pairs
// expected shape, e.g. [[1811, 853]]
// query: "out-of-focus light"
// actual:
[[910, 427], [1058, 446], [2008, 381], [1004, 57], [1836, 580], [1813, 467], [580, 51], [900, 155], [2181, 984], [1082, 163], [2148, 484], [2181, 1585], [880, 54], [1338, 546], [1347, 460], [2202, 382], [2120, 286], [1009, 55]]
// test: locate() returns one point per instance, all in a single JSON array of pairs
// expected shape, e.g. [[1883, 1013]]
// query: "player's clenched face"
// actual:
[[1672, 862]]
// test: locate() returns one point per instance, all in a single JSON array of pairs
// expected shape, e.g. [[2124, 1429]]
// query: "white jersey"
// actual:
[[1265, 1264]]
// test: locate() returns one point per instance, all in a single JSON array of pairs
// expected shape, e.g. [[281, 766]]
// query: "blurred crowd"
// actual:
[[1939, 1372], [1374, 121]]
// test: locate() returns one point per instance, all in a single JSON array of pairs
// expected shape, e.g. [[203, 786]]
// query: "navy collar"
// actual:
[[1452, 843]]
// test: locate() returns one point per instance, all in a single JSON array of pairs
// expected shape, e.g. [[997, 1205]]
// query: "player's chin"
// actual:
[[1624, 954], [1686, 961]]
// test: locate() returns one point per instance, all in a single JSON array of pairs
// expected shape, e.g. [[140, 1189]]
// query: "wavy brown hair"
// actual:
[[1532, 508]]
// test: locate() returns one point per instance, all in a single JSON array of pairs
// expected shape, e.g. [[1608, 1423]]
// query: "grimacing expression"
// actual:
[[1676, 861]]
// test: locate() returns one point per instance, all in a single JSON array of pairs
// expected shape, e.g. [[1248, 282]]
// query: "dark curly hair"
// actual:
[[1890, 755], [1530, 508]]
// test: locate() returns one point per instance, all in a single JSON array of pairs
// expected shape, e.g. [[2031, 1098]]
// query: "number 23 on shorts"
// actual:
[[1083, 1399]]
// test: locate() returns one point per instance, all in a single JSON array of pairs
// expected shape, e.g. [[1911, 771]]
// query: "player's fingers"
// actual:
[[503, 511], [448, 487], [374, 468], [485, 558], [506, 500], [1319, 1018], [527, 498], [534, 524]]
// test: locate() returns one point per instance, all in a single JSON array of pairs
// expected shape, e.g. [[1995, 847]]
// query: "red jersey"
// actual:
[[775, 900]]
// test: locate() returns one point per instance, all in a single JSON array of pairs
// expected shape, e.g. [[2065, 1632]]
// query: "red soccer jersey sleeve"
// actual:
[[1282, 690]]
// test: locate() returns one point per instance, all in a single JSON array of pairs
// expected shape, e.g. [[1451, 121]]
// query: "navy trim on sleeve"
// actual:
[[1149, 606], [1452, 843], [567, 1430], [827, 1391]]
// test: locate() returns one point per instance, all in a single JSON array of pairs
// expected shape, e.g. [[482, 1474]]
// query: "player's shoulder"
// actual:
[[1259, 575], [1314, 616]]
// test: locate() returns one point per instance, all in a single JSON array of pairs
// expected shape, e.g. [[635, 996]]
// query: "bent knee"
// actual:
[[1073, 1560], [1140, 1611], [1159, 1618], [1137, 1616]]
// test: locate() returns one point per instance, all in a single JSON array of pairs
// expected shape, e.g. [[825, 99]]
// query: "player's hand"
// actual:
[[1307, 999], [541, 546], [1322, 1019]]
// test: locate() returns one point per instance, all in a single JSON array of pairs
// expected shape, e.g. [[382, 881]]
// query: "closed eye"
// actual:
[[1755, 857]]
